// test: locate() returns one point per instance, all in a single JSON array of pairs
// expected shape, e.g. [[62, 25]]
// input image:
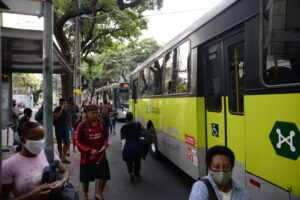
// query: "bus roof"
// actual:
[[218, 9]]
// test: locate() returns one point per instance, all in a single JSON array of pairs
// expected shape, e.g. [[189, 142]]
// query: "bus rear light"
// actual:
[[254, 182]]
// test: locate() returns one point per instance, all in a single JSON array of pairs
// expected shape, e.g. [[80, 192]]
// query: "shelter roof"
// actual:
[[22, 52]]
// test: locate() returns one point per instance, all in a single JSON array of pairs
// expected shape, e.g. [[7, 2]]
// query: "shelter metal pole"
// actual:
[[1, 103], [47, 72]]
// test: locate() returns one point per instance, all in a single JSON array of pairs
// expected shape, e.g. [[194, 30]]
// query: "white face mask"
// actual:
[[34, 146]]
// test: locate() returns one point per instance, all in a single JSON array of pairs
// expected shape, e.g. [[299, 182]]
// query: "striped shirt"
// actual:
[[200, 191]]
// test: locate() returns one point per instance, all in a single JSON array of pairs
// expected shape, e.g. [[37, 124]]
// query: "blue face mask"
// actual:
[[221, 177]]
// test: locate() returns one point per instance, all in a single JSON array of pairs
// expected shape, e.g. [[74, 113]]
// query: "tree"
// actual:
[[22, 81], [120, 62], [115, 63], [90, 73], [112, 20]]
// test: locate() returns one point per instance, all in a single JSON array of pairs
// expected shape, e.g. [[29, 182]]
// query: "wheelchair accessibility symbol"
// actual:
[[215, 130]]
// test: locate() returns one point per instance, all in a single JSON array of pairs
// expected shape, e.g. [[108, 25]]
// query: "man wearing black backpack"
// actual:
[[92, 140], [106, 113]]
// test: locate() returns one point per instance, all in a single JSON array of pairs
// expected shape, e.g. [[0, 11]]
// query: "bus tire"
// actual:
[[154, 147]]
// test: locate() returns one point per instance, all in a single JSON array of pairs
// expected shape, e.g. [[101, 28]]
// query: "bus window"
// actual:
[[183, 54], [143, 82], [213, 82], [169, 85], [281, 42], [236, 77], [156, 72], [177, 65]]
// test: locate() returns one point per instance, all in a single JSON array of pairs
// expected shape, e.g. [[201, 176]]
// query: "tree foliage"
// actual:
[[120, 62], [115, 63], [104, 23], [22, 81]]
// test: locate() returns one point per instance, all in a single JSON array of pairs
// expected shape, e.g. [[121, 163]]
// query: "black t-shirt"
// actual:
[[131, 131], [62, 122]]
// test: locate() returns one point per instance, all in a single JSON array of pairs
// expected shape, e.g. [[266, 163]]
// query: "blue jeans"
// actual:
[[113, 125]]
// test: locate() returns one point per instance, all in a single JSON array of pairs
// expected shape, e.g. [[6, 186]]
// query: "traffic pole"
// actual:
[[47, 72]]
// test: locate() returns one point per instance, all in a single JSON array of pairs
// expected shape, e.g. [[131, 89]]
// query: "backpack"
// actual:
[[84, 128], [105, 113], [51, 174], [145, 138]]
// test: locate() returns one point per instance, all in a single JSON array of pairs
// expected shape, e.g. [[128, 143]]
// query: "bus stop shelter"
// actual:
[[22, 52]]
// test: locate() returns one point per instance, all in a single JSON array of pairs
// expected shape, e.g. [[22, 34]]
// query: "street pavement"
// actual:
[[160, 180]]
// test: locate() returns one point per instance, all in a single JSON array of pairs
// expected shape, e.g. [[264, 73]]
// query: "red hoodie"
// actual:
[[94, 138]]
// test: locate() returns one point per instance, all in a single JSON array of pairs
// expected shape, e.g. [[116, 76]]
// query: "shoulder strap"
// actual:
[[211, 191], [84, 128], [49, 154]]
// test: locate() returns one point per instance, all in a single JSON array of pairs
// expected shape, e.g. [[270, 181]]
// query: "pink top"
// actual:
[[23, 172]]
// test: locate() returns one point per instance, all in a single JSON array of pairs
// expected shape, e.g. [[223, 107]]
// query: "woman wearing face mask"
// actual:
[[22, 172], [220, 162]]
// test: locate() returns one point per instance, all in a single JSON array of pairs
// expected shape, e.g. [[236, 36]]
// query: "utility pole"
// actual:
[[47, 72], [77, 67]]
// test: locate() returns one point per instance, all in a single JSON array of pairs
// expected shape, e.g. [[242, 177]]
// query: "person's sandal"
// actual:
[[66, 161]]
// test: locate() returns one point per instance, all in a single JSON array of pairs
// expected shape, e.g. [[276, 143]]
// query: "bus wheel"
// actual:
[[154, 148]]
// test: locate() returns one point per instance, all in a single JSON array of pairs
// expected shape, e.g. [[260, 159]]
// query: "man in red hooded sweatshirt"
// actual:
[[92, 140]]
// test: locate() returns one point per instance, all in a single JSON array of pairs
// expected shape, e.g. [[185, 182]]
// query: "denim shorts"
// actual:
[[62, 136]]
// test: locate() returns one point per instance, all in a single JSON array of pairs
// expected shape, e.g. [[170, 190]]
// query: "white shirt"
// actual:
[[226, 196]]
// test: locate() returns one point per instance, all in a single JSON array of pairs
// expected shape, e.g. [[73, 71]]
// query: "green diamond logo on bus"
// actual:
[[285, 138]]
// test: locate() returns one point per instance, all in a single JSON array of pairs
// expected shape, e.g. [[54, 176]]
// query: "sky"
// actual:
[[164, 25], [174, 17]]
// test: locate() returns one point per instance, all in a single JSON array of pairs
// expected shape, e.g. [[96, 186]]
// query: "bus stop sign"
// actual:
[[285, 138]]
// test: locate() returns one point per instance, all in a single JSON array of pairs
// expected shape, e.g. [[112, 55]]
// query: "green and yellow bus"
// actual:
[[232, 78]]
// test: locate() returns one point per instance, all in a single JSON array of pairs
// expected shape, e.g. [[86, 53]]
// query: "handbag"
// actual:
[[51, 174]]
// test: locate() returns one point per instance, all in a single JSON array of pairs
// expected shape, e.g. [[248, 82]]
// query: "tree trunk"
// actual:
[[67, 86]]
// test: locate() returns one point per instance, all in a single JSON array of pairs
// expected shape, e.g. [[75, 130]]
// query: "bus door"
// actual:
[[134, 97], [224, 65], [214, 101]]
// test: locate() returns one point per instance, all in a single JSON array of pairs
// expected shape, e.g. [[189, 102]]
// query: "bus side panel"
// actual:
[[271, 145], [175, 121], [236, 142], [215, 120], [201, 135]]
